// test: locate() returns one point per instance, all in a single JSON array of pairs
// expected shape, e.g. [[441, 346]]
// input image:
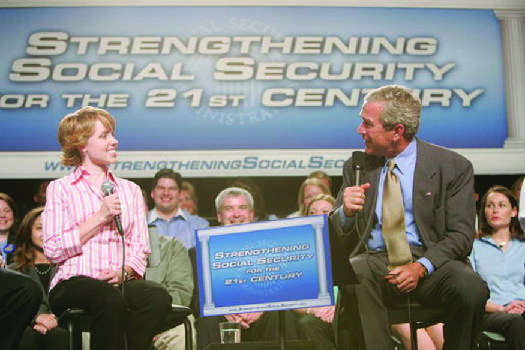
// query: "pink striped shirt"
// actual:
[[71, 200]]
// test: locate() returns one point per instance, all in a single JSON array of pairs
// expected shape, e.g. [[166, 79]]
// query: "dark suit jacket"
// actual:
[[443, 202]]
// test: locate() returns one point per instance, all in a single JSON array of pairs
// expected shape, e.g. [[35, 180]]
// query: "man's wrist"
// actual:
[[424, 271]]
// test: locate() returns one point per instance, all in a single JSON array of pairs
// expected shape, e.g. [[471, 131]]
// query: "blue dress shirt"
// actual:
[[182, 226], [504, 271], [404, 170]]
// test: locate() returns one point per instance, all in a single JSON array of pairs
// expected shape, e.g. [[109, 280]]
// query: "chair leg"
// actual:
[[188, 334], [70, 335], [413, 336]]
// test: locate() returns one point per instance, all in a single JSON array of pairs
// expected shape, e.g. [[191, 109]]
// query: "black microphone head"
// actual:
[[107, 188], [358, 159]]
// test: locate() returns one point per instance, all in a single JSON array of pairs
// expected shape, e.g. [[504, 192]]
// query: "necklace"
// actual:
[[501, 245], [45, 272]]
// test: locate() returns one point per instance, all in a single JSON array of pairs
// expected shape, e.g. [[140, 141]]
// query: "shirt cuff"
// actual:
[[345, 221], [427, 264]]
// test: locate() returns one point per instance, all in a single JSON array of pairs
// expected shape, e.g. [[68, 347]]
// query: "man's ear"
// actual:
[[399, 131], [219, 219]]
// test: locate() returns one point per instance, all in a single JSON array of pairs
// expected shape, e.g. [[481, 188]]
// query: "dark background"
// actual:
[[280, 193]]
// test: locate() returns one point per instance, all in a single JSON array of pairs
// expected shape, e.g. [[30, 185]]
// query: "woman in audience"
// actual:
[[316, 322], [324, 177], [29, 259], [320, 204], [309, 188], [91, 217], [499, 258], [7, 226], [188, 198], [430, 338]]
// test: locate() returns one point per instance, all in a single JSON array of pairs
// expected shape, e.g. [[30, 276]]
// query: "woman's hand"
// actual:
[[110, 207], [515, 307], [45, 322], [111, 276]]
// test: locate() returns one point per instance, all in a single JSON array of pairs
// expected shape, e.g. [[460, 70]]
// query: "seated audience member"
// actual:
[[235, 206], [8, 213], [38, 199], [169, 264], [188, 198], [324, 177], [498, 256], [259, 203], [320, 204], [309, 188], [316, 323], [20, 298], [167, 215], [29, 259], [430, 338], [521, 214]]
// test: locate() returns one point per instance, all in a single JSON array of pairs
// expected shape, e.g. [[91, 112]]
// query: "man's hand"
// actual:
[[406, 277], [245, 319], [354, 198], [3, 265], [324, 313]]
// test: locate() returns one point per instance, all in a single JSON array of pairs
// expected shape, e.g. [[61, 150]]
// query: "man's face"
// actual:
[[235, 210], [378, 140], [166, 195]]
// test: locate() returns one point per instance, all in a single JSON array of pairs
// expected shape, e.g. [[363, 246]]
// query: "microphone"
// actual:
[[107, 189], [358, 160]]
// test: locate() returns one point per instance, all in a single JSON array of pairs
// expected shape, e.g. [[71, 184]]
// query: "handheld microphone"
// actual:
[[358, 160], [107, 189]]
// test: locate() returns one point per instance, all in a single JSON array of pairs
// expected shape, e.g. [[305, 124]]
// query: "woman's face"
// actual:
[[320, 207], [186, 202], [101, 147], [36, 232], [6, 217], [310, 191], [499, 211]]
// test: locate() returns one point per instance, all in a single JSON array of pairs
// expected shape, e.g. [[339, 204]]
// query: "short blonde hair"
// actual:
[[76, 128]]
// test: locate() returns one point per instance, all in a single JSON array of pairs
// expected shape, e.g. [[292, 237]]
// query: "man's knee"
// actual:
[[470, 287]]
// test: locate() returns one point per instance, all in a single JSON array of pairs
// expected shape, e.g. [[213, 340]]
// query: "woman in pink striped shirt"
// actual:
[[81, 237]]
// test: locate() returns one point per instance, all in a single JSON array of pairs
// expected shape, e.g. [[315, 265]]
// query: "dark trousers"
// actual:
[[55, 339], [453, 286], [264, 329], [20, 298], [135, 316], [318, 331], [511, 326]]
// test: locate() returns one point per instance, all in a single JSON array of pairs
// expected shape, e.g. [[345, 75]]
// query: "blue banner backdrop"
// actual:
[[215, 78]]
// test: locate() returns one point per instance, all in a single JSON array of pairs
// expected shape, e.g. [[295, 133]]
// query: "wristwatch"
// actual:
[[126, 275]]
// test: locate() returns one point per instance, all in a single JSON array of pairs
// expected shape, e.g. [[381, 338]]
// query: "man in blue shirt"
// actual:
[[437, 195], [169, 218]]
